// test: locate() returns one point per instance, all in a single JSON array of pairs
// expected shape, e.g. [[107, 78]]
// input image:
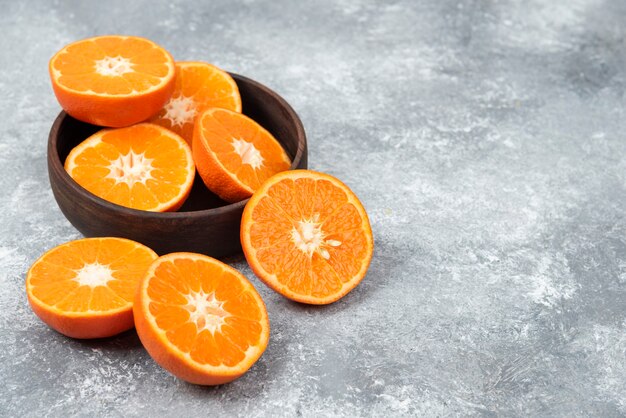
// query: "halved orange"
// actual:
[[200, 319], [199, 86], [143, 166], [234, 155], [85, 288], [307, 236], [112, 80]]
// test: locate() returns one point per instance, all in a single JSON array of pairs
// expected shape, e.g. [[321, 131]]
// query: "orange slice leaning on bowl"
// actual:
[[85, 288], [200, 319], [199, 86], [112, 80], [143, 166], [307, 236], [234, 155]]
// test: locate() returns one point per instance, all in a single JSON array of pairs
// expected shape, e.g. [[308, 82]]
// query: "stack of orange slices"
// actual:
[[151, 106], [305, 234]]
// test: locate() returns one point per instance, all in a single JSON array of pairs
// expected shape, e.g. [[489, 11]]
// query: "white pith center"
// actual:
[[94, 275], [114, 66], [180, 110], [206, 311], [248, 153], [309, 238], [131, 168]]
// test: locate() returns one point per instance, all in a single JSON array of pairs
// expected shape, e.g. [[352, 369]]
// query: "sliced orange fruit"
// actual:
[[85, 288], [143, 166], [112, 80], [199, 86], [307, 236], [234, 155], [200, 319]]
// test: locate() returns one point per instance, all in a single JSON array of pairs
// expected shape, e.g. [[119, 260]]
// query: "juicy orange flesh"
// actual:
[[76, 65], [168, 159], [220, 129], [206, 86], [240, 312], [278, 213], [54, 279]]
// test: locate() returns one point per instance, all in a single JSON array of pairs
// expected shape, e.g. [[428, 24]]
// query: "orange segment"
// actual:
[[143, 167], [307, 236], [200, 319], [112, 80], [234, 155], [85, 288], [199, 86]]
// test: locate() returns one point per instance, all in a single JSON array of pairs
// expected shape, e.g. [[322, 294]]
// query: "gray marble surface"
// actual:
[[486, 140]]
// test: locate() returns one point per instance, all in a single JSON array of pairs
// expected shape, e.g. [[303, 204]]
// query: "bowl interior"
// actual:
[[258, 102]]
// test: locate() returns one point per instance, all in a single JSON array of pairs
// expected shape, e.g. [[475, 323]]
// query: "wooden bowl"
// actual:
[[205, 224]]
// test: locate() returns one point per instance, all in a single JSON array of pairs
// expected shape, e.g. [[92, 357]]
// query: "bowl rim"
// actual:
[[55, 161]]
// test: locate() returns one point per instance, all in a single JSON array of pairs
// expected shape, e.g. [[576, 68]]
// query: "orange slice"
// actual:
[[200, 319], [234, 155], [112, 80], [85, 288], [143, 167], [199, 86], [307, 236]]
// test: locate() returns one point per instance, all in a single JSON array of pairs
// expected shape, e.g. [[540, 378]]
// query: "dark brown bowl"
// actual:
[[205, 224]]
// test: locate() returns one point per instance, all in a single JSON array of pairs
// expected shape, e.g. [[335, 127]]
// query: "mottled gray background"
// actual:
[[486, 140]]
